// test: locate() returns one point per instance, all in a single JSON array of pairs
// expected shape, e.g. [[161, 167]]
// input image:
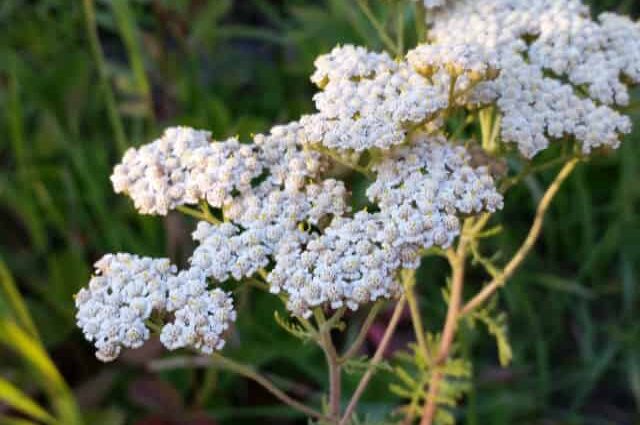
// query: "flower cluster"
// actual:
[[113, 309], [183, 167], [353, 262], [282, 216], [368, 100], [126, 289], [201, 316], [422, 189], [560, 71]]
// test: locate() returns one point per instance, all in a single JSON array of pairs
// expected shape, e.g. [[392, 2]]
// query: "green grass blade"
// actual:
[[21, 402], [39, 362], [10, 293]]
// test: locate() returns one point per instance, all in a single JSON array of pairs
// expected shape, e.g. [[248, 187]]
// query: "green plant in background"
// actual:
[[19, 334], [66, 146]]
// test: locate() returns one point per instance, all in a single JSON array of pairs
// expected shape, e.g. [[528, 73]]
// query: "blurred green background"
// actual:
[[69, 106]]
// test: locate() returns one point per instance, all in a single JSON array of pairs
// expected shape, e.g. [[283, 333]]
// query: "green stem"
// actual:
[[362, 334], [379, 27], [377, 358], [409, 283]]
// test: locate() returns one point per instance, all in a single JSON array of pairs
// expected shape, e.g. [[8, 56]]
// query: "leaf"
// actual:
[[13, 298], [291, 327], [415, 373], [496, 324], [362, 363], [32, 352], [21, 402]]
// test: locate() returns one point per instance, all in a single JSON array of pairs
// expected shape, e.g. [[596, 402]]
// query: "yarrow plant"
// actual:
[[430, 130]]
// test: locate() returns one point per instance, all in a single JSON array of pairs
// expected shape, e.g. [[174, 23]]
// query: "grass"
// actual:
[[76, 92]]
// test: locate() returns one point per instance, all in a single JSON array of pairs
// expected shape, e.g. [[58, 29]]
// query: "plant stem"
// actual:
[[457, 259], [248, 372], [399, 11], [335, 373], [377, 358], [527, 245], [362, 334], [409, 283], [98, 57], [379, 27], [204, 214]]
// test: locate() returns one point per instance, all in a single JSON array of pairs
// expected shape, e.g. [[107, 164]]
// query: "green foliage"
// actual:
[[497, 326], [293, 328], [415, 371], [358, 365]]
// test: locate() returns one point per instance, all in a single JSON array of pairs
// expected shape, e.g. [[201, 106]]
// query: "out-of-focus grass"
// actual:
[[236, 67]]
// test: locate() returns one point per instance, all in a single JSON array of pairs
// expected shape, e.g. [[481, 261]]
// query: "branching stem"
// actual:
[[218, 360], [527, 245], [377, 358], [457, 261]]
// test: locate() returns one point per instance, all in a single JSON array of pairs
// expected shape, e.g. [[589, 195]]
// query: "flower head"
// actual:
[[120, 297]]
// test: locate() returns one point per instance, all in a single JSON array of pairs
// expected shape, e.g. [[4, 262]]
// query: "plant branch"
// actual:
[[409, 283], [457, 259], [204, 213], [335, 373], [248, 372], [528, 243], [377, 358], [362, 334]]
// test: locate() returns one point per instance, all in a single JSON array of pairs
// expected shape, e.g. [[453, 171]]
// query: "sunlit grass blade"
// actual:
[[31, 351], [16, 399], [14, 300]]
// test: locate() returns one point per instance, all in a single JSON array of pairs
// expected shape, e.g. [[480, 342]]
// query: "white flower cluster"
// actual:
[[126, 289], [183, 167], [269, 218], [284, 154], [352, 262], [422, 189], [462, 59], [350, 62], [368, 100], [201, 316], [560, 71], [119, 298]]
